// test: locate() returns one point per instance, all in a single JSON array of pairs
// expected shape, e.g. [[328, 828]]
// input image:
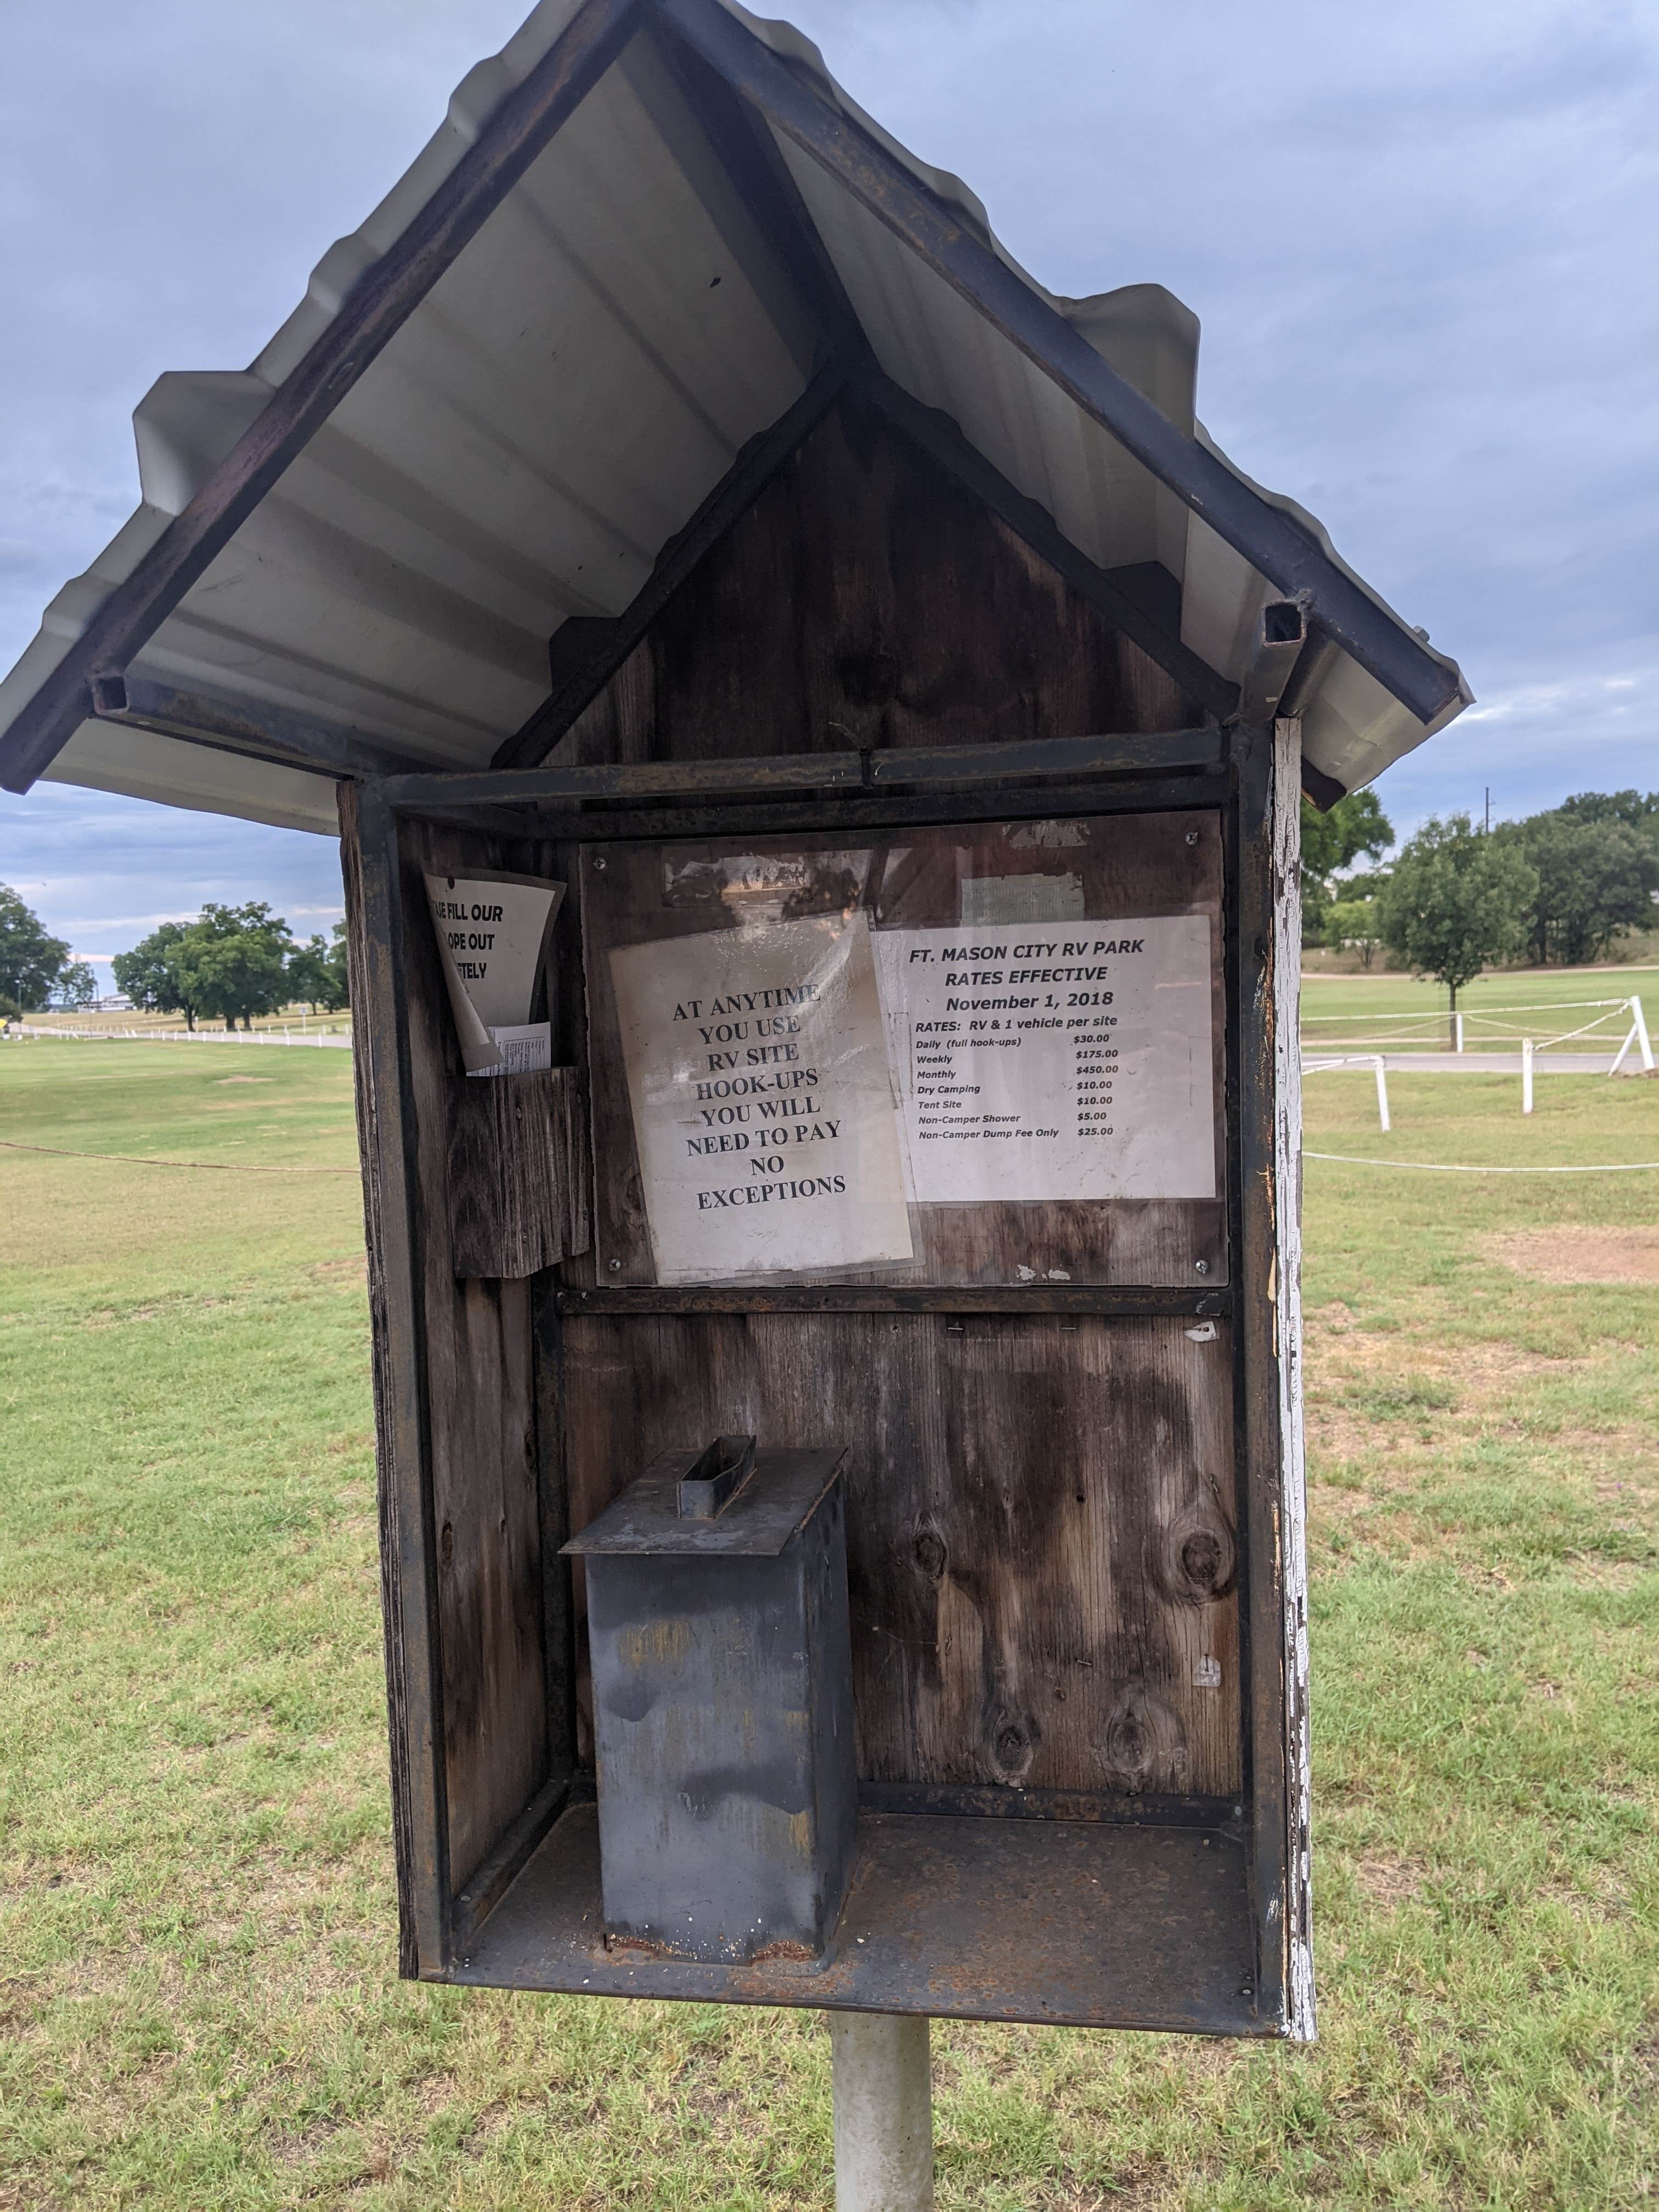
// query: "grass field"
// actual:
[[196, 1911]]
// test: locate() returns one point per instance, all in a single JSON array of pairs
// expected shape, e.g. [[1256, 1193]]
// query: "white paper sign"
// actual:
[[1071, 1062], [492, 932], [763, 1112]]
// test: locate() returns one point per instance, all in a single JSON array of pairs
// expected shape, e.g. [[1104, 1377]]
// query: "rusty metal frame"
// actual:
[[201, 716]]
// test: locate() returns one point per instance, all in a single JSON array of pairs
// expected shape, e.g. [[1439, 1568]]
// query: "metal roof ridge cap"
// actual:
[[801, 55]]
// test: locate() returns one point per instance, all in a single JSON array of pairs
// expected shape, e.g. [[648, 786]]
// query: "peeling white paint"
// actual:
[[1058, 1275], [1287, 1271], [1205, 1332], [1026, 1274], [1207, 1675]]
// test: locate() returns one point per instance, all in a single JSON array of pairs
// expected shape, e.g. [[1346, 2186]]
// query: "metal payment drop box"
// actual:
[[723, 1704]]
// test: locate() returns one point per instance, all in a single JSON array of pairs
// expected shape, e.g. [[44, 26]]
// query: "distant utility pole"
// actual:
[[1489, 810]]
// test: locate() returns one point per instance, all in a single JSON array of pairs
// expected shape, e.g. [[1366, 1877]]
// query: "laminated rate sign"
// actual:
[[1071, 1062]]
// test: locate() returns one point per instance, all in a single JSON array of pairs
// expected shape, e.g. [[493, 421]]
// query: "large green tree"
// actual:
[[31, 961], [1455, 902], [1336, 840], [317, 972], [233, 962], [151, 977], [1353, 923], [1597, 874], [1637, 809], [76, 987]]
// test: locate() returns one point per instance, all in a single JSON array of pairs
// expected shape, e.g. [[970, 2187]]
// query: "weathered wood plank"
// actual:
[[1039, 1523], [1155, 638], [1130, 752], [1268, 950], [844, 811], [1287, 1316], [869, 598], [481, 1412], [393, 1213], [1135, 1301], [518, 1173]]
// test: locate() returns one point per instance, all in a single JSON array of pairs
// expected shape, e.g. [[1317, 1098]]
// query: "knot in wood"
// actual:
[[1201, 1558], [1012, 1736], [931, 1555], [1196, 1560], [1143, 1745]]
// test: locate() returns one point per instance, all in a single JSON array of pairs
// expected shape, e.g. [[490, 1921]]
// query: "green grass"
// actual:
[[197, 1930]]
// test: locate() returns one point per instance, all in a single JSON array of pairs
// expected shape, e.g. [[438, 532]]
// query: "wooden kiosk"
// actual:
[[929, 708]]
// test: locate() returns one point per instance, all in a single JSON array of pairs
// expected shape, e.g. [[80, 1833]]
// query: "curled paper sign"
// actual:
[[763, 1107], [492, 932]]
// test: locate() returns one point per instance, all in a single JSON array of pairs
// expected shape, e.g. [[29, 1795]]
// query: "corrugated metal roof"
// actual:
[[554, 411]]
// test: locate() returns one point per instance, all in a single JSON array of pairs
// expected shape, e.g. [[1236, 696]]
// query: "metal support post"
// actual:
[[1457, 1032], [1383, 1093], [1526, 1075], [883, 2092]]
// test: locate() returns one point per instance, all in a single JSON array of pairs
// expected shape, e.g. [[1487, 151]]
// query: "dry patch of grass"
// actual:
[[1585, 1254], [1390, 1882]]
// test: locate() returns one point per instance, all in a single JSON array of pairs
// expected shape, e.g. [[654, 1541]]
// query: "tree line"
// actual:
[[229, 964], [1563, 886]]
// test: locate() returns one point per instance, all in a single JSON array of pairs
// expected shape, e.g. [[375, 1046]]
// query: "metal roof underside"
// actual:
[[581, 378]]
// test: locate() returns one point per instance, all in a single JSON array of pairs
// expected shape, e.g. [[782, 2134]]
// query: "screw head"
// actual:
[[599, 863], [616, 1266], [1200, 1267], [1192, 837]]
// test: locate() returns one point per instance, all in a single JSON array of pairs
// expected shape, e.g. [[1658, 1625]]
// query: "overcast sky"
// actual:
[[1419, 237]]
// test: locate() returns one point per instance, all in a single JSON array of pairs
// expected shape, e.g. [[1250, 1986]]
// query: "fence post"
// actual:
[[1383, 1093], [1641, 1031], [884, 2112], [1526, 1075], [1458, 1043]]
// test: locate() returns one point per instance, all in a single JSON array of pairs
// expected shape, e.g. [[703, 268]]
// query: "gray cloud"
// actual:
[[1415, 235]]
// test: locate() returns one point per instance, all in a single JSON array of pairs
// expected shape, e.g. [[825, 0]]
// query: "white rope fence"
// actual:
[[1491, 1025], [1601, 1010], [340, 1040], [1461, 1167]]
